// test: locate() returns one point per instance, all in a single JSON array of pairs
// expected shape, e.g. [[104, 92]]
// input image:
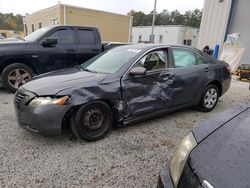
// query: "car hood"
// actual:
[[57, 81], [222, 158], [10, 42], [11, 47]]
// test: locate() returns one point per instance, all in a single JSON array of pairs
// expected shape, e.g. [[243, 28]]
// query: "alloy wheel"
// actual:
[[18, 77]]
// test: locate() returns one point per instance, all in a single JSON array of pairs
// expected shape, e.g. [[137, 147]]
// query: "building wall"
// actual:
[[240, 23], [112, 27], [214, 22], [49, 16], [166, 34]]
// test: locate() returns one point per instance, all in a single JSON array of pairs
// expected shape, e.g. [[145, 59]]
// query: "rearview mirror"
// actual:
[[137, 71], [49, 41]]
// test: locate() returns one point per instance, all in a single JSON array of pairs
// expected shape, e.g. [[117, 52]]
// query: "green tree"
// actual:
[[189, 18], [12, 22]]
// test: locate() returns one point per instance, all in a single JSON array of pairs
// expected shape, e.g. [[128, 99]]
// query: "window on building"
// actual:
[[161, 39], [187, 42], [4, 35], [140, 37], [64, 36], [32, 28], [54, 21], [184, 58], [39, 25], [86, 36]]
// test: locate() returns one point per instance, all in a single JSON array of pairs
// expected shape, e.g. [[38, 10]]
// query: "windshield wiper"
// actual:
[[88, 70]]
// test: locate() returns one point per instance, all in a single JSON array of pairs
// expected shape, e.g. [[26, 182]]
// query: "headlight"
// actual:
[[38, 101], [178, 161]]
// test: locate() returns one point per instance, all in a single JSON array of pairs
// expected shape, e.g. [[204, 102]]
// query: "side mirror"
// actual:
[[49, 41], [137, 71]]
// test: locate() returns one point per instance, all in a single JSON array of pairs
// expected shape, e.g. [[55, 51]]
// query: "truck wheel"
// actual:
[[209, 98], [92, 121], [15, 75]]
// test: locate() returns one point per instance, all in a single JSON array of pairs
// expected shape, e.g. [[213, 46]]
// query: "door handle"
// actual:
[[206, 69], [70, 50]]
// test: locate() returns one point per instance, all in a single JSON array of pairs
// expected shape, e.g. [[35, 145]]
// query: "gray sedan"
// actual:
[[124, 85]]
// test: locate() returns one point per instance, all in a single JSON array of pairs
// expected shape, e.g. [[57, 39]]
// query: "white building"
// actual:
[[223, 17], [170, 34]]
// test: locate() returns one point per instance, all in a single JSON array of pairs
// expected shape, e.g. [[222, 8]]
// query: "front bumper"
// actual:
[[165, 180], [46, 120]]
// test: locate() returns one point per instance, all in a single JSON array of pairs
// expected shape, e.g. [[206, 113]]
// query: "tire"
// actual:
[[92, 121], [209, 98], [15, 75]]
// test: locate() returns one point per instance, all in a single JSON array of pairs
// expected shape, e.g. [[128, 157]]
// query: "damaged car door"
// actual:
[[191, 75], [145, 93]]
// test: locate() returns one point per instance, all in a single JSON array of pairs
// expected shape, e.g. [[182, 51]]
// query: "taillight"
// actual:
[[227, 69]]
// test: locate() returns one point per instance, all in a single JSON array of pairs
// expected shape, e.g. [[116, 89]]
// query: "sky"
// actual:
[[116, 6]]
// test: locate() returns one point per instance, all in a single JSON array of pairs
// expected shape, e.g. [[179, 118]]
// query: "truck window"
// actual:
[[64, 36], [86, 36]]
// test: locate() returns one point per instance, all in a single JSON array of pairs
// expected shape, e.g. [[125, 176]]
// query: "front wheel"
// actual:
[[92, 121], [209, 98], [15, 75]]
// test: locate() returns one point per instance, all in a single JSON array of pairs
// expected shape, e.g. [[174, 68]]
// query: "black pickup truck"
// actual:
[[47, 49]]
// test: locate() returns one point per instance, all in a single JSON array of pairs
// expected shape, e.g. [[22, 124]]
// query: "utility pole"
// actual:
[[152, 36]]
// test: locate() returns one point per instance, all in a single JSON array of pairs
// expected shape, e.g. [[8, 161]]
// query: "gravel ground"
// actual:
[[128, 157]]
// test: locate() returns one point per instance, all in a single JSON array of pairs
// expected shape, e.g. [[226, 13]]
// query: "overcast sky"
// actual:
[[117, 6]]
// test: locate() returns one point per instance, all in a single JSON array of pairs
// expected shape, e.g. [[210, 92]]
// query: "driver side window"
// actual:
[[64, 36], [155, 60]]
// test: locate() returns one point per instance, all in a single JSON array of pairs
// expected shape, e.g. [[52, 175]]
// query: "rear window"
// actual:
[[86, 36]]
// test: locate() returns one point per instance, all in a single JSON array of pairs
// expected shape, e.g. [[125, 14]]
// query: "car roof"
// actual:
[[151, 46]]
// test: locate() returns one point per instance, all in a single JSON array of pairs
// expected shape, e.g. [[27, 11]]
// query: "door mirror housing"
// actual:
[[49, 41], [137, 71]]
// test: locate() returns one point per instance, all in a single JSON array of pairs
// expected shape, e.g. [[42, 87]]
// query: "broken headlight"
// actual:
[[38, 101]]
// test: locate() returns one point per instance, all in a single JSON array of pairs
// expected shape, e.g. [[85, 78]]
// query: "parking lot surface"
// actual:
[[127, 157]]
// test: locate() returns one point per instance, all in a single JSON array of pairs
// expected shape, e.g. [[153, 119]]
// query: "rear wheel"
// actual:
[[92, 121], [15, 75], [209, 98]]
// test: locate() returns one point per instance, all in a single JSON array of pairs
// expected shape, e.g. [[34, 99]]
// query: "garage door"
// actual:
[[241, 24]]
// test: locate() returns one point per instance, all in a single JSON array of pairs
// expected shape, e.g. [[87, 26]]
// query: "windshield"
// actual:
[[37, 34], [110, 61]]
